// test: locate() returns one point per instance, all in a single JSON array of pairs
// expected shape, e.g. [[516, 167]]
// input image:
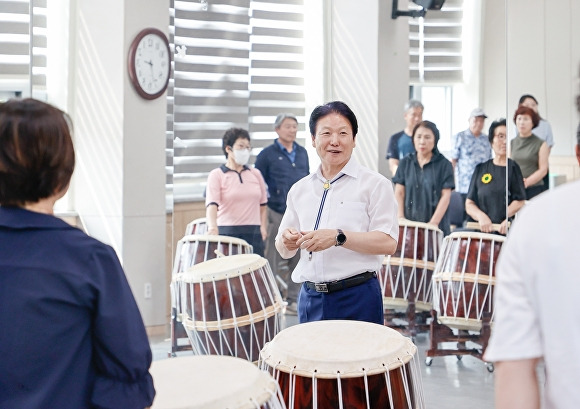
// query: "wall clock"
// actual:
[[149, 63]]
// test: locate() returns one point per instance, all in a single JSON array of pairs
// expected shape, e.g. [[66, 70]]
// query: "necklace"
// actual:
[[326, 187]]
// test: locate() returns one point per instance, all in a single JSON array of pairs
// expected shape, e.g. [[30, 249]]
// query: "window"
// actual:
[[435, 44], [437, 101], [242, 66], [23, 25]]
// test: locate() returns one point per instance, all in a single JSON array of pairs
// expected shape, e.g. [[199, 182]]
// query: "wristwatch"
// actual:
[[340, 238]]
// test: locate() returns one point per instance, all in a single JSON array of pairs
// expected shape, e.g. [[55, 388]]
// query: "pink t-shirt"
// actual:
[[237, 195]]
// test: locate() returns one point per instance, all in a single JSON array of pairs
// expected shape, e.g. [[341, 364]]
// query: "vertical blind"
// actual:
[[242, 66], [23, 56], [435, 45]]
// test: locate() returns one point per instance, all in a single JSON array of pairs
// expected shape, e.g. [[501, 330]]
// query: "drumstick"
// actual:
[[475, 226]]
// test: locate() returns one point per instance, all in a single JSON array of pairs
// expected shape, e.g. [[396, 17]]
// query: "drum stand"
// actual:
[[442, 333], [416, 320], [177, 333]]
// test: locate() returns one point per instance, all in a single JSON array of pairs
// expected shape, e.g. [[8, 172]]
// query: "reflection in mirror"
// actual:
[[544, 63]]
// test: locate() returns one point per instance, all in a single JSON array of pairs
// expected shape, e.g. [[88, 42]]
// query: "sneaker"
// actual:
[[291, 309]]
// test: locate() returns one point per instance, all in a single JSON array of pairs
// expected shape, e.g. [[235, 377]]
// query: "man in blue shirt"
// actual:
[[282, 164], [401, 143]]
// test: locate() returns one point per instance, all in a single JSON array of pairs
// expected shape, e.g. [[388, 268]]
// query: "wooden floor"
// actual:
[[448, 383]]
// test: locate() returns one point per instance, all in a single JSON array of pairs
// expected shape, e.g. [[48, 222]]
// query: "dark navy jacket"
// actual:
[[280, 174], [72, 335]]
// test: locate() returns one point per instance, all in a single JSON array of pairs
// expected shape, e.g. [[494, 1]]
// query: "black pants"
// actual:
[[249, 233]]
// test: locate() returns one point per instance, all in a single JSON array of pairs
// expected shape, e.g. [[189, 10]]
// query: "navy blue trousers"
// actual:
[[363, 302]]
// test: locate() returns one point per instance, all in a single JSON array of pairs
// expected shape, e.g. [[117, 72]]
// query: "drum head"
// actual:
[[425, 226], [327, 348], [475, 236], [214, 239], [210, 382], [223, 267]]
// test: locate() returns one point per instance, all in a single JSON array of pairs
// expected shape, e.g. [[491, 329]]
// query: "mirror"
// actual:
[[544, 62]]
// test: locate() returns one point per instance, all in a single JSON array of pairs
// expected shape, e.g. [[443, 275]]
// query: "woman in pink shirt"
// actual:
[[236, 195]]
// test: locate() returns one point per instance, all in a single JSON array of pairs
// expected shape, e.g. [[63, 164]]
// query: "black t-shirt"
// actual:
[[487, 188], [423, 187]]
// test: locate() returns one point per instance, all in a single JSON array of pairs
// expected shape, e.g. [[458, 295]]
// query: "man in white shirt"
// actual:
[[536, 311], [343, 219]]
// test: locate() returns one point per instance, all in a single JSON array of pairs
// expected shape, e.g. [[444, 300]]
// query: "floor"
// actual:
[[448, 383]]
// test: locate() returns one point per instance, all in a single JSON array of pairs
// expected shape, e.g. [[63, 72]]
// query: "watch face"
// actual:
[[150, 63]]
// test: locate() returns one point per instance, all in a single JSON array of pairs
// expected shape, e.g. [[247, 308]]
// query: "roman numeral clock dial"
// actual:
[[149, 63]]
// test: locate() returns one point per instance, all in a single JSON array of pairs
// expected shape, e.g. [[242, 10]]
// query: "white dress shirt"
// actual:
[[536, 295], [360, 201]]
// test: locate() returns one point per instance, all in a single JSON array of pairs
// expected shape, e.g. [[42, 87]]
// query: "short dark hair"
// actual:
[[526, 96], [231, 136], [523, 110], [37, 156], [336, 107], [432, 127], [495, 124]]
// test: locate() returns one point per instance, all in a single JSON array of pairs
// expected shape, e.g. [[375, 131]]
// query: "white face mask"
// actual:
[[241, 156]]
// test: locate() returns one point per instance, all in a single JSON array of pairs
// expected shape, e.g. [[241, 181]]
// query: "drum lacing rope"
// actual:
[[292, 388], [388, 382], [339, 384], [238, 329], [279, 404], [256, 404], [475, 291], [366, 387], [314, 391], [415, 369], [405, 381]]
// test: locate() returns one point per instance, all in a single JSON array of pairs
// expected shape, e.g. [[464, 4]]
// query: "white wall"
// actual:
[[120, 142], [367, 67]]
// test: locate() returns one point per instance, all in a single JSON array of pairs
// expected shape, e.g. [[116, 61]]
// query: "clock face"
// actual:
[[150, 63]]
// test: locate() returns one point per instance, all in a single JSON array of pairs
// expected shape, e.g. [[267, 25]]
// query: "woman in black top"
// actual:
[[424, 180], [486, 198]]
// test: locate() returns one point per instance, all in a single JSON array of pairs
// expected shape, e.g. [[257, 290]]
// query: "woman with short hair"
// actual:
[[72, 335], [529, 152], [486, 198]]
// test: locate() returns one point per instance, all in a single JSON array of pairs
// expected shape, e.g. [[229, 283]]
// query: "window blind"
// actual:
[[436, 45], [23, 43], [242, 67]]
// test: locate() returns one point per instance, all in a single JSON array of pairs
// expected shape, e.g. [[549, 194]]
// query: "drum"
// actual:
[[197, 226], [191, 250], [195, 248], [408, 272], [230, 305], [464, 279], [344, 364], [213, 382]]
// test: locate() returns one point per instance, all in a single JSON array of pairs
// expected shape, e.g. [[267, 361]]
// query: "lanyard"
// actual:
[[326, 187]]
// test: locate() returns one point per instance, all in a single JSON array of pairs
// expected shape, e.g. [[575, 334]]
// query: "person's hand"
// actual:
[[503, 227], [317, 240], [290, 237], [485, 224], [264, 232], [212, 231], [526, 183]]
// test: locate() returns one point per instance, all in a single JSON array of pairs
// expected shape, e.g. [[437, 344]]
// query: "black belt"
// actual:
[[341, 284]]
